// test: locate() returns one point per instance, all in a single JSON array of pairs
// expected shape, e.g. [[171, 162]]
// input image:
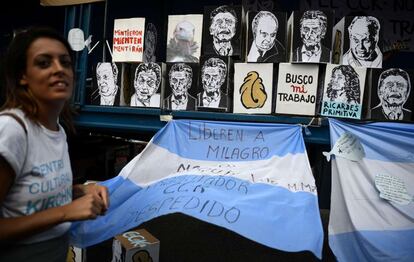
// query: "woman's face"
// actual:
[[338, 80], [49, 73]]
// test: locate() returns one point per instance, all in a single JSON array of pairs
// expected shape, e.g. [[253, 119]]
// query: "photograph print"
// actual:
[[184, 38]]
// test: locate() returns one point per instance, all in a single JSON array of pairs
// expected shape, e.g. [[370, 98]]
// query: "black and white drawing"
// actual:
[[222, 31], [263, 36], [364, 32], [394, 87], [180, 82], [344, 86], [213, 78], [343, 91], [150, 43], [107, 91], [184, 34], [313, 30], [147, 80]]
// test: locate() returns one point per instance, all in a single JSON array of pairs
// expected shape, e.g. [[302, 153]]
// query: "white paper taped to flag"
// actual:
[[372, 212]]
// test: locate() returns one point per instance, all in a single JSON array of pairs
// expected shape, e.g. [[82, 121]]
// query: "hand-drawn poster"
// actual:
[[146, 84], [253, 88], [297, 89], [311, 36], [128, 40], [343, 91], [391, 94], [106, 89], [181, 89], [397, 18], [266, 37], [223, 30], [150, 43], [360, 40], [184, 38], [212, 93]]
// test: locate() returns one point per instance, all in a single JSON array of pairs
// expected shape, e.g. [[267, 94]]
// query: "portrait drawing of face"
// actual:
[[264, 27], [106, 75], [363, 34], [394, 87], [312, 28], [180, 77], [147, 80], [213, 75]]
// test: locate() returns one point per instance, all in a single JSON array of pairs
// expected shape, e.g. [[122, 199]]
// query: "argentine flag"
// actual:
[[253, 179], [372, 209]]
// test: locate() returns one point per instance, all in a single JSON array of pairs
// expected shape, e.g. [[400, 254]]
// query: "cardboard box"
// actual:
[[135, 245], [76, 254]]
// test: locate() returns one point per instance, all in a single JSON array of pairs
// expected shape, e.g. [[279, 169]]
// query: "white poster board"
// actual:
[[296, 89], [253, 85], [128, 40]]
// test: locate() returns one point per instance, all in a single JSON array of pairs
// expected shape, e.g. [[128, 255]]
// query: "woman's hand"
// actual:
[[101, 191]]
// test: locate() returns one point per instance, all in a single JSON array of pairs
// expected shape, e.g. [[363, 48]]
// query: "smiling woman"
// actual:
[[36, 190]]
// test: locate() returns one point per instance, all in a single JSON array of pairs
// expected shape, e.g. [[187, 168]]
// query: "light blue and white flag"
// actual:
[[253, 179], [372, 208]]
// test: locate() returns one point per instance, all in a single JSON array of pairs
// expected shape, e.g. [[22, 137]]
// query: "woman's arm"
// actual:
[[88, 206]]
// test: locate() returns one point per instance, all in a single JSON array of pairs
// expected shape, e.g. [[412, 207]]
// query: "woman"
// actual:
[[36, 190], [344, 85]]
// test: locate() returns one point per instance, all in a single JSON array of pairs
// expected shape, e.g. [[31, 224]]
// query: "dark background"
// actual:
[[100, 157]]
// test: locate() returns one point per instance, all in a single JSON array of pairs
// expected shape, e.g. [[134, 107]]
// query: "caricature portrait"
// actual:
[[147, 81], [150, 43], [363, 43], [107, 81], [180, 80], [265, 47], [313, 28], [184, 34], [223, 27], [394, 88], [344, 86], [213, 76]]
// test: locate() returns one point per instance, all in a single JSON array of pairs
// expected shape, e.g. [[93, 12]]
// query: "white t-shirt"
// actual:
[[41, 162]]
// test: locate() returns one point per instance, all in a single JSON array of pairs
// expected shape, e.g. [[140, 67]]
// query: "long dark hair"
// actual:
[[17, 95]]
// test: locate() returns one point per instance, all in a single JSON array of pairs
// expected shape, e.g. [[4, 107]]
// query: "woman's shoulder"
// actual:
[[14, 117]]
